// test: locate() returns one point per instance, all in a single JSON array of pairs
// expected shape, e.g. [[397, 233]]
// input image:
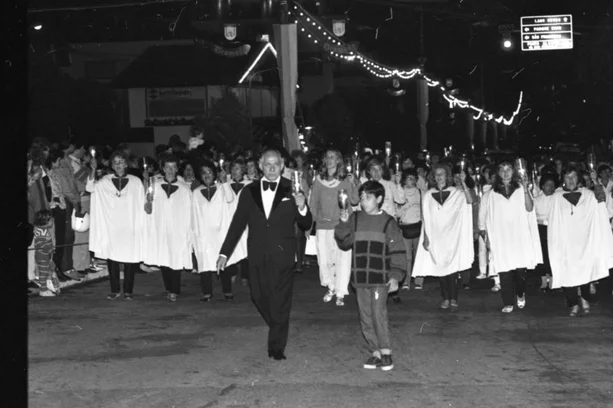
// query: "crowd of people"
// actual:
[[404, 217]]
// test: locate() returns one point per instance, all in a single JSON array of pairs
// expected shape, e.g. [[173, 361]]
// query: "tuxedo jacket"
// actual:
[[273, 237]]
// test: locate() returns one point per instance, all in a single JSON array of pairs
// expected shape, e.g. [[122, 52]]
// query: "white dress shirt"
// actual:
[[268, 196]]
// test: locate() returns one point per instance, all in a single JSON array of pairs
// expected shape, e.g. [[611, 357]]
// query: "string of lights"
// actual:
[[320, 35]]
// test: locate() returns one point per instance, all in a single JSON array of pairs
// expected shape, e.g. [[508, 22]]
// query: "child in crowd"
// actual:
[[378, 264], [43, 247]]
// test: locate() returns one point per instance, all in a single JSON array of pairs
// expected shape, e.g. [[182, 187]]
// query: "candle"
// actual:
[[348, 168], [397, 165], [591, 161], [357, 168], [150, 188], [520, 165], [343, 199], [296, 180], [145, 164], [93, 152], [388, 149]]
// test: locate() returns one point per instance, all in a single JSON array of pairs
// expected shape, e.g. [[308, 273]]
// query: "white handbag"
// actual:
[[79, 224]]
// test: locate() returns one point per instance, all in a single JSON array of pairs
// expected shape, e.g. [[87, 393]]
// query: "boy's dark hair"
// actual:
[[375, 188], [603, 167], [42, 218]]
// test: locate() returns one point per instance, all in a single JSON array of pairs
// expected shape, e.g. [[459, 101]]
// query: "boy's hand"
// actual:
[[148, 207], [344, 215], [393, 285]]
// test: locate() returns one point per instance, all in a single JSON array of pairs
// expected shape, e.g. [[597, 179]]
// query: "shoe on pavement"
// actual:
[[496, 288], [386, 362], [592, 289], [328, 297], [445, 305], [46, 293], [574, 311], [406, 286], [481, 276], [585, 305], [340, 301], [244, 282], [171, 297], [466, 286], [521, 302], [373, 363], [112, 296], [418, 287], [205, 299], [454, 305], [128, 296], [507, 309]]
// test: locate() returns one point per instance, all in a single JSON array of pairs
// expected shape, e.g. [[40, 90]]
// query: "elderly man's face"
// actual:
[[271, 165]]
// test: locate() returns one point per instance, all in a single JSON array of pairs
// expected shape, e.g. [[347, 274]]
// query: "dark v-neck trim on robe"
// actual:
[[440, 196], [169, 188], [120, 182], [208, 192]]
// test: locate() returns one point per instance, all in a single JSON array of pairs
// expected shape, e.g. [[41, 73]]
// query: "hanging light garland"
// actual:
[[317, 33]]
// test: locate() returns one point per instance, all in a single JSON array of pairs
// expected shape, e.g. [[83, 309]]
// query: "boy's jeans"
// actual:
[[372, 306]]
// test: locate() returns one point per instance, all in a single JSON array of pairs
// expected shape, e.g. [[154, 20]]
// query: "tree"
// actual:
[[226, 123]]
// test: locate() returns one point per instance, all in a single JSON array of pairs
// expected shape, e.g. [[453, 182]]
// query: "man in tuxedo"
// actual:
[[271, 210]]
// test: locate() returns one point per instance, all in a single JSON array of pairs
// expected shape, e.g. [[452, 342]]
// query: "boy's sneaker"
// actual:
[[340, 301], [373, 363], [386, 362], [328, 297], [46, 293], [113, 296], [445, 304]]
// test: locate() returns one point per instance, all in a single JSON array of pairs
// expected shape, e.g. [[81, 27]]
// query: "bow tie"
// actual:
[[267, 184]]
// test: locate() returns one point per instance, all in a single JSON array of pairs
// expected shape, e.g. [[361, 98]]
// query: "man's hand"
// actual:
[[393, 285], [300, 201], [221, 264], [148, 207], [524, 182], [344, 215]]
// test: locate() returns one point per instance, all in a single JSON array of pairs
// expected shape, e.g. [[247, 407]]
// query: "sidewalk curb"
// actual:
[[89, 278]]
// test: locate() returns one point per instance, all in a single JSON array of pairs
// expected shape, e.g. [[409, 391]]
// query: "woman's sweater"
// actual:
[[409, 205], [324, 201]]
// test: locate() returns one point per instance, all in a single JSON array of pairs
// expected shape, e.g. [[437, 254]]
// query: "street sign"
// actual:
[[547, 33]]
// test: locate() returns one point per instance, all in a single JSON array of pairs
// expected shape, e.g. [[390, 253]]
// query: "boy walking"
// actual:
[[378, 264]]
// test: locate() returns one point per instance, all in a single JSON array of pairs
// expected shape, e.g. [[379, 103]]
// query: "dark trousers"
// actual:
[[172, 280], [301, 242], [545, 268], [206, 282], [449, 286], [271, 291], [372, 307], [64, 235], [129, 271], [512, 283], [239, 269], [572, 297]]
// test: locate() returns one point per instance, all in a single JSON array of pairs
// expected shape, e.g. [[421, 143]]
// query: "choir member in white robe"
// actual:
[[508, 223], [116, 222], [210, 222], [446, 243], [579, 239], [486, 181], [239, 265], [167, 241], [542, 204]]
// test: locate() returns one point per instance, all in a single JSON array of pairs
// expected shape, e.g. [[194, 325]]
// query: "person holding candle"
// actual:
[[446, 244], [211, 216], [270, 210], [167, 237], [334, 264], [237, 184], [578, 222], [117, 222], [375, 171], [507, 222], [301, 171], [542, 206]]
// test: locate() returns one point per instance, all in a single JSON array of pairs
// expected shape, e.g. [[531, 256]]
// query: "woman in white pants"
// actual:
[[334, 264]]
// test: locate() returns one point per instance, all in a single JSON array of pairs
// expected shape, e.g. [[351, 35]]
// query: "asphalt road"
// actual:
[[86, 351]]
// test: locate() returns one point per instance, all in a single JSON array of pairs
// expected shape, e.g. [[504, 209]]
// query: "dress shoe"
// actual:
[[33, 285], [62, 278], [276, 354]]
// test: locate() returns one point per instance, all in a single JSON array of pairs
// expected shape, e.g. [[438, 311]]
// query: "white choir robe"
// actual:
[[240, 251], [511, 230], [116, 223], [167, 238], [579, 239], [210, 224], [450, 233]]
